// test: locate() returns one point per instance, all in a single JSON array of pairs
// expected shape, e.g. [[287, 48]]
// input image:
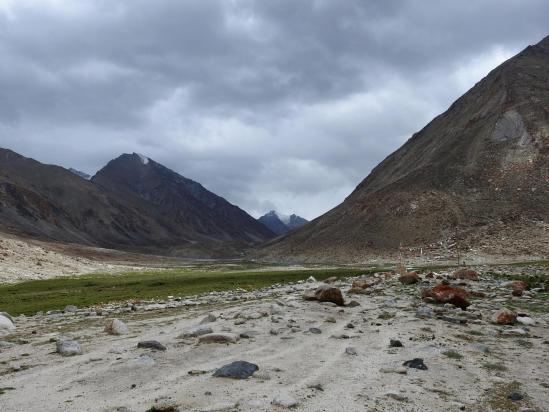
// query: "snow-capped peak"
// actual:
[[143, 159]]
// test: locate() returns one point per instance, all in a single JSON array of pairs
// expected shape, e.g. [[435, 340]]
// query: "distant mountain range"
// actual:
[[281, 224], [477, 174], [132, 203]]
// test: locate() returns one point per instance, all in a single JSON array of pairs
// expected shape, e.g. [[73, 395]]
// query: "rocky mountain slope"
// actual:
[[50, 202], [478, 174], [281, 225]]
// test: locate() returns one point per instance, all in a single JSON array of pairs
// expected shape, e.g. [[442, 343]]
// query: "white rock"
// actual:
[[6, 325], [284, 400], [311, 279], [69, 348], [526, 320], [195, 331], [116, 327]]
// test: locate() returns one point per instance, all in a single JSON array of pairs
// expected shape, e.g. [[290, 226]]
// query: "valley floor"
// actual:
[[311, 356]]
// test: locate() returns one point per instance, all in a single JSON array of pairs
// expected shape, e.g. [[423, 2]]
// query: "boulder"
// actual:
[[6, 324], [309, 295], [326, 293], [116, 327], [504, 316], [68, 348], [236, 370], [447, 294], [518, 286], [218, 338], [466, 273], [409, 278]]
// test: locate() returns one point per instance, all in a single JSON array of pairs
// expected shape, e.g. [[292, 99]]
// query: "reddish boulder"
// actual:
[[326, 293], [504, 316], [466, 273], [447, 294], [409, 278], [517, 292], [365, 283], [516, 285]]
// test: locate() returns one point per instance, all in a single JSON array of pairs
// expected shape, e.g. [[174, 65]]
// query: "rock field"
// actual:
[[291, 347]]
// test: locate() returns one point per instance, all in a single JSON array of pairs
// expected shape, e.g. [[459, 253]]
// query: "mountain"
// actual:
[[52, 203], [183, 204], [280, 224], [79, 173], [477, 174]]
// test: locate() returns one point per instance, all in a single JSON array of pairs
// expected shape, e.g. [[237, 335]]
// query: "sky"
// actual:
[[282, 104]]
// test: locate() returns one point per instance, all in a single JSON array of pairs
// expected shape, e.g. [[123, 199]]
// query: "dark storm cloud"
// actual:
[[273, 104]]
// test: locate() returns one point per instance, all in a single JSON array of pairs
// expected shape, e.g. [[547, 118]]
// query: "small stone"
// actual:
[[526, 320], [116, 327], [465, 273], [396, 396], [416, 363], [351, 351], [218, 338], [151, 344], [311, 279], [315, 331], [236, 370], [409, 278], [70, 309], [144, 360], [394, 343], [284, 400], [425, 312], [331, 279], [330, 319], [400, 371], [515, 396], [69, 348], [6, 324], [353, 304], [208, 319], [195, 331]]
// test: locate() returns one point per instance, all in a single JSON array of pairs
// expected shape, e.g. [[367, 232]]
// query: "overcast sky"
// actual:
[[273, 104]]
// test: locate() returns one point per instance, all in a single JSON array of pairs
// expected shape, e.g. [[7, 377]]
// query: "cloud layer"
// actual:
[[281, 104]]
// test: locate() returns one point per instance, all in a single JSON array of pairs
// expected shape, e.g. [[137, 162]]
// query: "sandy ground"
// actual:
[[23, 259], [312, 369]]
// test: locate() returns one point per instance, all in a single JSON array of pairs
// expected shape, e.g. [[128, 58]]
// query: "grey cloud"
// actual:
[[273, 104]]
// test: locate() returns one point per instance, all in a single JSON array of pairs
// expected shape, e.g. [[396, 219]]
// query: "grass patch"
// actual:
[[84, 291], [452, 354]]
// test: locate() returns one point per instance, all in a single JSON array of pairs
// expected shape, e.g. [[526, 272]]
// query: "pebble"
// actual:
[[351, 351], [424, 312], [195, 331], [144, 360], [218, 338], [316, 331], [68, 348], [416, 363], [151, 344], [208, 319], [395, 343], [236, 370]]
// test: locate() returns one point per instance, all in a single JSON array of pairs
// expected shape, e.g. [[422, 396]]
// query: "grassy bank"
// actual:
[[30, 297]]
